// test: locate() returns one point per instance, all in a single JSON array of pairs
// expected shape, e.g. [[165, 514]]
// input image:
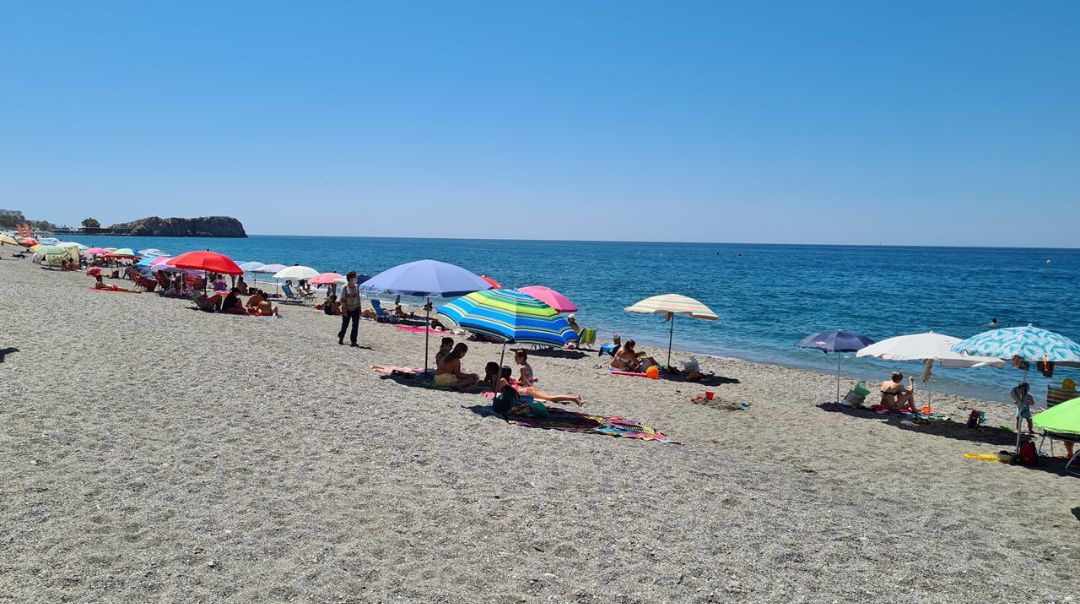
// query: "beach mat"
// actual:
[[576, 421], [413, 329]]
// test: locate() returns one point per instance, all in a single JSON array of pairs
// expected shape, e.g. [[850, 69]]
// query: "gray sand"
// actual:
[[151, 453]]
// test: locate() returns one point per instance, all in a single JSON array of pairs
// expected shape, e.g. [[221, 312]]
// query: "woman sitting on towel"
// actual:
[[449, 374], [232, 304], [626, 358], [895, 396]]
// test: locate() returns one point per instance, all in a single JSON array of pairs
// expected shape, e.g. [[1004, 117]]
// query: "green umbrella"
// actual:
[[1063, 417]]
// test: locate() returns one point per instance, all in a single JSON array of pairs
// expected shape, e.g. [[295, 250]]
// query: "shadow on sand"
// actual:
[[6, 351], [947, 428]]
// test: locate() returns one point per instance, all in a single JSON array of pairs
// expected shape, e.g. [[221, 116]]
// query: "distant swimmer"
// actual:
[[993, 323], [1048, 261]]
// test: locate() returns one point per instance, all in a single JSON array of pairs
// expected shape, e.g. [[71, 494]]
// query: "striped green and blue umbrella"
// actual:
[[1029, 343], [511, 316]]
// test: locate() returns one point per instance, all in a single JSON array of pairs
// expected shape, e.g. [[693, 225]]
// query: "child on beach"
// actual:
[[527, 379], [1024, 402], [449, 374], [445, 347]]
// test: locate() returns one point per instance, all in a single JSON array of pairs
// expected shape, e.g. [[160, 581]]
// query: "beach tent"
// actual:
[[671, 305], [427, 279], [836, 341], [929, 348], [550, 297], [1062, 419]]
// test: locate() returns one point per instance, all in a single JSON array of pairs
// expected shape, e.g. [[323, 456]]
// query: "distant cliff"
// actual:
[[205, 226]]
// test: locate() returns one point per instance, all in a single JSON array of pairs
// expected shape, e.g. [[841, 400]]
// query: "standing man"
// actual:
[[350, 309]]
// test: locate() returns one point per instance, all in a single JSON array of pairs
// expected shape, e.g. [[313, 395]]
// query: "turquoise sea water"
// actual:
[[768, 296]]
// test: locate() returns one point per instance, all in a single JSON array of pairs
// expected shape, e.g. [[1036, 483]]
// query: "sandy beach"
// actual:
[[153, 453]]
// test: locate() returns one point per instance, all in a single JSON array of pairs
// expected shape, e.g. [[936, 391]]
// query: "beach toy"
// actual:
[[653, 373], [709, 394], [926, 410]]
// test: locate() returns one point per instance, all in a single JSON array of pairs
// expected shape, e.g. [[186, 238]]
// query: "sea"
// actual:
[[768, 297]]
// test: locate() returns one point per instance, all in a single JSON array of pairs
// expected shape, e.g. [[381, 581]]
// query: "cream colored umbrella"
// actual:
[[6, 240], [296, 272], [671, 305]]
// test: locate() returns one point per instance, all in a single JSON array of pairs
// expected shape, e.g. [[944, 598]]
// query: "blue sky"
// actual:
[[798, 122]]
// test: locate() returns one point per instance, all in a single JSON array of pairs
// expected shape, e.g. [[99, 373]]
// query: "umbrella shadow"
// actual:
[[424, 381], [553, 353], [6, 351], [945, 428]]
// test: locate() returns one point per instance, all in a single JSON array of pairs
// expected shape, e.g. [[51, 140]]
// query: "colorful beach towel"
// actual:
[[418, 329], [576, 421], [113, 288]]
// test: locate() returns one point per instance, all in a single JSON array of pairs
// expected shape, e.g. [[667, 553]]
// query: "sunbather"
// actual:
[[257, 304], [449, 372], [241, 286], [627, 358], [232, 304], [895, 396], [526, 383], [99, 284]]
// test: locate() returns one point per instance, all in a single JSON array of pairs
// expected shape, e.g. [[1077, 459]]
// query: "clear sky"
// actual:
[[953, 123]]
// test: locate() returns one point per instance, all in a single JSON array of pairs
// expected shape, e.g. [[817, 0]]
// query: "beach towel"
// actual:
[[627, 373], [991, 457], [113, 288], [418, 329], [576, 421]]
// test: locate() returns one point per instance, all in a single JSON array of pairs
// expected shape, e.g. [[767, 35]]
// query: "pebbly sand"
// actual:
[[152, 453]]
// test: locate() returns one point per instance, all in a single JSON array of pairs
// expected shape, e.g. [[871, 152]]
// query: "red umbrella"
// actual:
[[207, 261], [493, 283], [28, 241]]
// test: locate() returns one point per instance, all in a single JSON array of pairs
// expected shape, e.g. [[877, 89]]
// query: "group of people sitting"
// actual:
[[257, 304], [626, 357], [449, 374]]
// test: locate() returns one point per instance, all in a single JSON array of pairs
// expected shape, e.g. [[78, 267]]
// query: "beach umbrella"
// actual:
[[510, 316], [428, 279], [550, 297], [124, 252], [493, 283], [75, 244], [325, 279], [46, 250], [153, 251], [251, 266], [7, 240], [671, 305], [208, 261], [836, 341], [1061, 418], [28, 241], [49, 241], [296, 272], [94, 251], [929, 348], [1024, 343], [269, 269]]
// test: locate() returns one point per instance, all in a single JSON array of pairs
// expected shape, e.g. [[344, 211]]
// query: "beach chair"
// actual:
[[587, 338], [1072, 438], [380, 315], [290, 297]]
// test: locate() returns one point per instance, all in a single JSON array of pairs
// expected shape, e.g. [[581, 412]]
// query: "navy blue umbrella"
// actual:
[[836, 341]]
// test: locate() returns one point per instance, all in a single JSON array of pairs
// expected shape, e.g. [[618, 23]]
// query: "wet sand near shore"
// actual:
[[153, 453]]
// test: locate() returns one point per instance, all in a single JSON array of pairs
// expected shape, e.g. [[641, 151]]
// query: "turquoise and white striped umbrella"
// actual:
[[1029, 343], [509, 315]]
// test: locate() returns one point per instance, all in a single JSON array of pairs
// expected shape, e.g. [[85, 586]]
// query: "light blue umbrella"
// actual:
[[426, 278], [251, 266], [1029, 343]]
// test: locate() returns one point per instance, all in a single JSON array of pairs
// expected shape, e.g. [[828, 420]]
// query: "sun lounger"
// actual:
[[290, 297], [1065, 437]]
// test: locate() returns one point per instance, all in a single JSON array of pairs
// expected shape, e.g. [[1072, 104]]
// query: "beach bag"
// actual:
[[505, 400], [1028, 455], [973, 419]]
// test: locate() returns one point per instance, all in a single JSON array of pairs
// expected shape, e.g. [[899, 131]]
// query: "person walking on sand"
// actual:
[[350, 309]]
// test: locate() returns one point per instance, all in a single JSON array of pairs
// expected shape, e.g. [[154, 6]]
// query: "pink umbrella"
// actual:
[[550, 297], [94, 251], [160, 260], [325, 279]]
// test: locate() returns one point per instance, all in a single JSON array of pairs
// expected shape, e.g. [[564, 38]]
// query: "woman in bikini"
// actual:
[[449, 374], [526, 381]]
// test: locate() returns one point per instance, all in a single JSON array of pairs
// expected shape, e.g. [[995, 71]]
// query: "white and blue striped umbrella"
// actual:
[[1029, 343]]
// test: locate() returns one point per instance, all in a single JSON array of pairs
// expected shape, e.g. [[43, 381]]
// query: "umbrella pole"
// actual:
[[838, 377], [427, 331], [671, 336]]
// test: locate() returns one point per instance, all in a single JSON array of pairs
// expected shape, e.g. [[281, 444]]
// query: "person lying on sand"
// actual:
[[526, 383], [895, 396], [99, 284], [627, 358], [449, 374]]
